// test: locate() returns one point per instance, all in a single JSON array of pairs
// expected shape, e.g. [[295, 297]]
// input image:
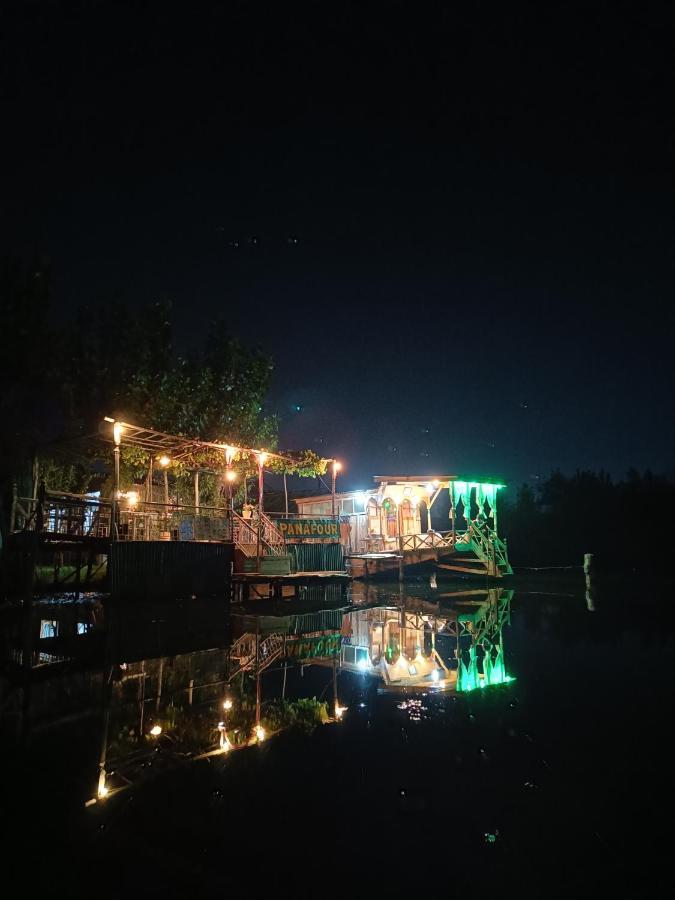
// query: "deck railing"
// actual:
[[428, 541], [81, 516]]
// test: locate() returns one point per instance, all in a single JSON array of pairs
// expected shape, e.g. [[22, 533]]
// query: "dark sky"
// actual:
[[482, 202]]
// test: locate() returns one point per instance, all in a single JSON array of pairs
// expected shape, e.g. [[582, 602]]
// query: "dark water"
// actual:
[[559, 780]]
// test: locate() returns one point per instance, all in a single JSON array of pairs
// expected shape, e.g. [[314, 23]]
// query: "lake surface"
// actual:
[[549, 771]]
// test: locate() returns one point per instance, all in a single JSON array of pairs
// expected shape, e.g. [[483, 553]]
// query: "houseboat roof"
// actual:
[[414, 479], [342, 495]]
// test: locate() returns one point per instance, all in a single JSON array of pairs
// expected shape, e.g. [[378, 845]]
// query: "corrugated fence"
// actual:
[[317, 557], [170, 568]]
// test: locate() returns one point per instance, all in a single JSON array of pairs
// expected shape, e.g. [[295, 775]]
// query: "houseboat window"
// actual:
[[83, 627], [373, 517], [362, 659], [49, 628], [408, 517], [391, 513], [348, 653], [347, 507], [320, 509]]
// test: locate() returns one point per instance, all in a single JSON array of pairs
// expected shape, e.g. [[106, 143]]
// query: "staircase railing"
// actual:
[[243, 656], [489, 546], [273, 538], [245, 536]]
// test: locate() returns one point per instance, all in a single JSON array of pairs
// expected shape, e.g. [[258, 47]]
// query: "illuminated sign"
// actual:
[[311, 647], [309, 528]]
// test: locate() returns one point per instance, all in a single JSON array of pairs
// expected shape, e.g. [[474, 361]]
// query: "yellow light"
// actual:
[[230, 475], [262, 457], [337, 466], [260, 733], [156, 730], [117, 433], [164, 460], [132, 498], [227, 704], [340, 711], [103, 792], [225, 744], [229, 454], [435, 482]]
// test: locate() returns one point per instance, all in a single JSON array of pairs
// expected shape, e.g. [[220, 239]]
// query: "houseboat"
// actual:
[[408, 521]]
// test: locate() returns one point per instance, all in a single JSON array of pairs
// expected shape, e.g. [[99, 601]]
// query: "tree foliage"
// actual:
[[625, 524], [61, 379]]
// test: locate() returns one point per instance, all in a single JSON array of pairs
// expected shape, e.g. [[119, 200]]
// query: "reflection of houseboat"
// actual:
[[390, 527], [455, 643], [416, 643]]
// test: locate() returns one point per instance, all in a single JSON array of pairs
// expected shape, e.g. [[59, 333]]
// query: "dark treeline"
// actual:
[[60, 375], [626, 524]]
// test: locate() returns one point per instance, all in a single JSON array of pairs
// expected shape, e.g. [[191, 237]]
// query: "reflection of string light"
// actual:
[[259, 733], [362, 664], [103, 792], [156, 730], [227, 704], [434, 675], [340, 711]]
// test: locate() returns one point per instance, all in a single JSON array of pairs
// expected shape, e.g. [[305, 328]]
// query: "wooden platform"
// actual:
[[372, 565], [243, 582]]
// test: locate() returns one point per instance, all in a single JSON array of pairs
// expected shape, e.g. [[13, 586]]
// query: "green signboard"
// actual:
[[313, 647], [309, 528]]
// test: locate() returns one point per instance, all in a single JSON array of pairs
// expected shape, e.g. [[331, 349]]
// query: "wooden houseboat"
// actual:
[[396, 525]]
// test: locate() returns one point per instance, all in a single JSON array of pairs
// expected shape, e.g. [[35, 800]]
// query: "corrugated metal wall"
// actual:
[[317, 557], [170, 568]]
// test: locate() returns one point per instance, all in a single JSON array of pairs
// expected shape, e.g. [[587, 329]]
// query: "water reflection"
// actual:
[[135, 690]]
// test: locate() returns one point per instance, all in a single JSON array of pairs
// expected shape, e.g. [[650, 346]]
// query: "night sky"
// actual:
[[452, 227]]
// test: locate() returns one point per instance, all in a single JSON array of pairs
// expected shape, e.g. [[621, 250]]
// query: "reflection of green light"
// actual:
[[468, 677]]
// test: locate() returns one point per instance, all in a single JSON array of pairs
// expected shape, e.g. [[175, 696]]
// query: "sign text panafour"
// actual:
[[309, 528]]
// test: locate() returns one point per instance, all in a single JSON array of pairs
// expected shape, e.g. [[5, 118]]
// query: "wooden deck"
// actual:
[[248, 584]]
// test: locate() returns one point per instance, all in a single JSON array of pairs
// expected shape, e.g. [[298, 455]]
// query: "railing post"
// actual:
[[12, 513]]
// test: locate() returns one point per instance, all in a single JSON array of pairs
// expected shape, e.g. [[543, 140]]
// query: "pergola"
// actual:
[[168, 448]]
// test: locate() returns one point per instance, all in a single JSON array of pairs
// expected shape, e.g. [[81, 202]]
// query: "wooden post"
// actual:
[[148, 482], [12, 514], [335, 692], [197, 493], [116, 490], [257, 671], [399, 522], [160, 678], [36, 475], [106, 700]]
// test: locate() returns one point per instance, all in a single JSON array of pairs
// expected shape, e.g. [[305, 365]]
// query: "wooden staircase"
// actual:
[[490, 555], [242, 654], [245, 534]]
